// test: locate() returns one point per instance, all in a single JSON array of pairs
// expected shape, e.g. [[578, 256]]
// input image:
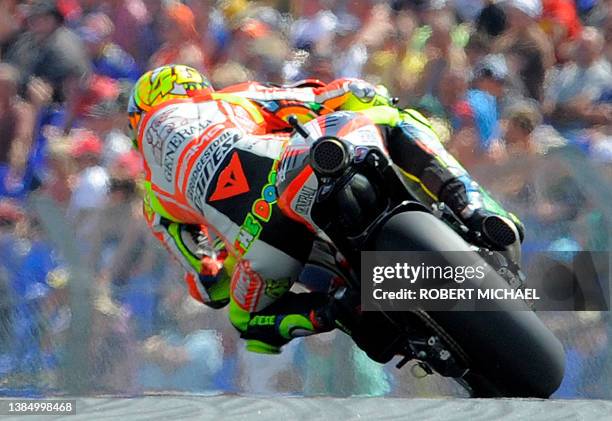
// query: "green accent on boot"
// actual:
[[238, 317], [253, 345], [292, 322]]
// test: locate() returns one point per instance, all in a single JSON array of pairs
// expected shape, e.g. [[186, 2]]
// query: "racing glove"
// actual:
[[365, 95]]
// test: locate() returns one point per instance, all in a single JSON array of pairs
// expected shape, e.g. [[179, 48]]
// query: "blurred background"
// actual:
[[519, 90]]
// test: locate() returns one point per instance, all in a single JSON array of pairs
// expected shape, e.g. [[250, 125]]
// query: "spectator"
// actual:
[[477, 47], [492, 20], [525, 40], [211, 28], [10, 23], [59, 174], [316, 25], [91, 182], [560, 19], [108, 59], [359, 45], [472, 113], [442, 54], [103, 112], [135, 22], [229, 73], [181, 41], [469, 9], [488, 82], [49, 50], [573, 95], [522, 121], [17, 126]]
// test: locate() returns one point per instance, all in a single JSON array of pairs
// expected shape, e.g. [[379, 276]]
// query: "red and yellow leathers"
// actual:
[[254, 109]]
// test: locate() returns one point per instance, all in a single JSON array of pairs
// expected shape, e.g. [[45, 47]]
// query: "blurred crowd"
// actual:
[[520, 91]]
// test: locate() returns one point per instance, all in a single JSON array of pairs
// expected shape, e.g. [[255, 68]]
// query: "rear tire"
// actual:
[[511, 353]]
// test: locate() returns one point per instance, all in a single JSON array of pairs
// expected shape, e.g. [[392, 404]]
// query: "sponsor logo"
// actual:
[[246, 286], [304, 200], [367, 135], [263, 321], [261, 212], [175, 141], [232, 181], [158, 131], [167, 126], [360, 153], [208, 163]]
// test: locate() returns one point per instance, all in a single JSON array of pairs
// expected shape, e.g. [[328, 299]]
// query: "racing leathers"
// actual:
[[268, 108], [211, 162]]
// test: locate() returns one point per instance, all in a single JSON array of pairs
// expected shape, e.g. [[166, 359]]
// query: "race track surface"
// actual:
[[335, 409]]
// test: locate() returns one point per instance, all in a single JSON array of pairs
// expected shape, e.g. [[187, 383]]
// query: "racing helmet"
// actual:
[[163, 84]]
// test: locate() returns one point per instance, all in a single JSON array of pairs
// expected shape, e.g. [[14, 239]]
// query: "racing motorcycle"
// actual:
[[359, 201]]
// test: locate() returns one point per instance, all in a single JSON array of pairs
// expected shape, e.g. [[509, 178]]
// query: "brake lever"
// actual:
[[295, 123], [443, 212]]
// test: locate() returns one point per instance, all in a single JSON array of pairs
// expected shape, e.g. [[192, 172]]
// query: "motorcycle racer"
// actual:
[[212, 167], [268, 108]]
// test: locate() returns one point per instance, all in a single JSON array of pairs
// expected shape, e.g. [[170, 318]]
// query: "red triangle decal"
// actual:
[[231, 182]]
